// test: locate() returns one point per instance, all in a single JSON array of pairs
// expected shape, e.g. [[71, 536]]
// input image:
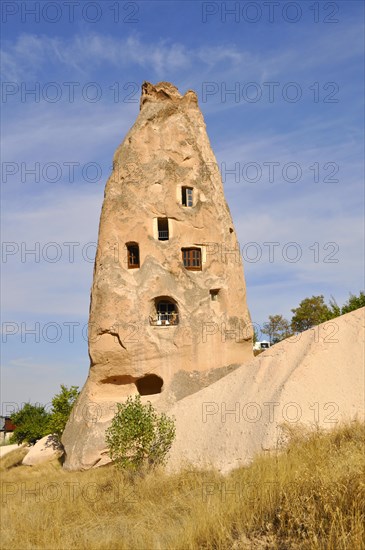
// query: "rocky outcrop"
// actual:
[[45, 450], [168, 295], [313, 379]]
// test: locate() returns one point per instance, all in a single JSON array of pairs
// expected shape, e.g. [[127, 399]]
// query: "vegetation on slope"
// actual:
[[309, 495], [33, 422], [310, 312]]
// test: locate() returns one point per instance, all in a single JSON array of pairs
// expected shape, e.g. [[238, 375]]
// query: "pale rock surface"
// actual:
[[167, 148], [46, 449], [5, 449], [314, 378]]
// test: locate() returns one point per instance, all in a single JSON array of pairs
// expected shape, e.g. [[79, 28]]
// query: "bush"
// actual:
[[62, 404], [354, 302], [31, 424], [139, 436]]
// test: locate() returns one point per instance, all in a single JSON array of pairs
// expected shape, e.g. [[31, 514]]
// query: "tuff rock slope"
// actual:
[[315, 379]]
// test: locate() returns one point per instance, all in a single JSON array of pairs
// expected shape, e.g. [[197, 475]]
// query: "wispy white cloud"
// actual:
[[26, 56], [72, 131]]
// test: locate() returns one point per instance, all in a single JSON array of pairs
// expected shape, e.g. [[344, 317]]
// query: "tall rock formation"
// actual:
[[168, 309]]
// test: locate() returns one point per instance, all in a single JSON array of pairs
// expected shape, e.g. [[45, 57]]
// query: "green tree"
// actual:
[[62, 404], [311, 312], [354, 302], [334, 309], [277, 328], [138, 435], [31, 424]]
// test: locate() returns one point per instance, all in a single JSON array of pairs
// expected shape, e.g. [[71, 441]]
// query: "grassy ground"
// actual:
[[311, 495]]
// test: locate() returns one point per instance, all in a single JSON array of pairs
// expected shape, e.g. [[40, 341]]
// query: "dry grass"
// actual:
[[12, 459], [310, 496]]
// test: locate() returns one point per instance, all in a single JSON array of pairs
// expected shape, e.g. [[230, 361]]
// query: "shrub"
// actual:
[[354, 302], [62, 404], [138, 435], [31, 424]]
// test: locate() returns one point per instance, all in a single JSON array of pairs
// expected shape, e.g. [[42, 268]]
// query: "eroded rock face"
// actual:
[[168, 294], [45, 450]]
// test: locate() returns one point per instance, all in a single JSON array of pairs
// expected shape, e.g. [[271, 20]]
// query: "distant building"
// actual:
[[264, 344], [6, 428]]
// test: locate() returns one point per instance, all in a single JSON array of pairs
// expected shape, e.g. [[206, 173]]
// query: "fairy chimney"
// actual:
[[168, 299]]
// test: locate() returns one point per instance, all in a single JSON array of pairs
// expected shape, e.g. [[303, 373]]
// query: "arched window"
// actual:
[[166, 312], [132, 255]]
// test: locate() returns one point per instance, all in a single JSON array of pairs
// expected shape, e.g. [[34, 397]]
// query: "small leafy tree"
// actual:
[[334, 309], [354, 302], [277, 328], [138, 435], [62, 404], [31, 424], [311, 311]]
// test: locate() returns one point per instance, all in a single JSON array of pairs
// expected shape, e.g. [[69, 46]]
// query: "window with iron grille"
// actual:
[[187, 196], [192, 258], [133, 255], [166, 312]]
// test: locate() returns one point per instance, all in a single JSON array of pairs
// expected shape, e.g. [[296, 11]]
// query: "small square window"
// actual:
[[192, 258], [187, 196], [214, 294]]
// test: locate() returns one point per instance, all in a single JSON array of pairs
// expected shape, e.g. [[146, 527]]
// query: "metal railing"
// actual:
[[163, 235], [165, 319]]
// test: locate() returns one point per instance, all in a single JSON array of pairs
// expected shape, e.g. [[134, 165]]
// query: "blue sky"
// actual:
[[281, 88]]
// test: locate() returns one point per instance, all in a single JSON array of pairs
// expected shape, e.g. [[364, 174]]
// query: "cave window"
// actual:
[[149, 384], [166, 312], [163, 229], [214, 294], [133, 255], [192, 258], [187, 196]]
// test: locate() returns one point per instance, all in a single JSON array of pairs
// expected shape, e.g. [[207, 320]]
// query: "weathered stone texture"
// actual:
[[167, 148], [45, 450]]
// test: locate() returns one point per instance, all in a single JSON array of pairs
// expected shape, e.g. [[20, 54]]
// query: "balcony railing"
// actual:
[[165, 319]]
